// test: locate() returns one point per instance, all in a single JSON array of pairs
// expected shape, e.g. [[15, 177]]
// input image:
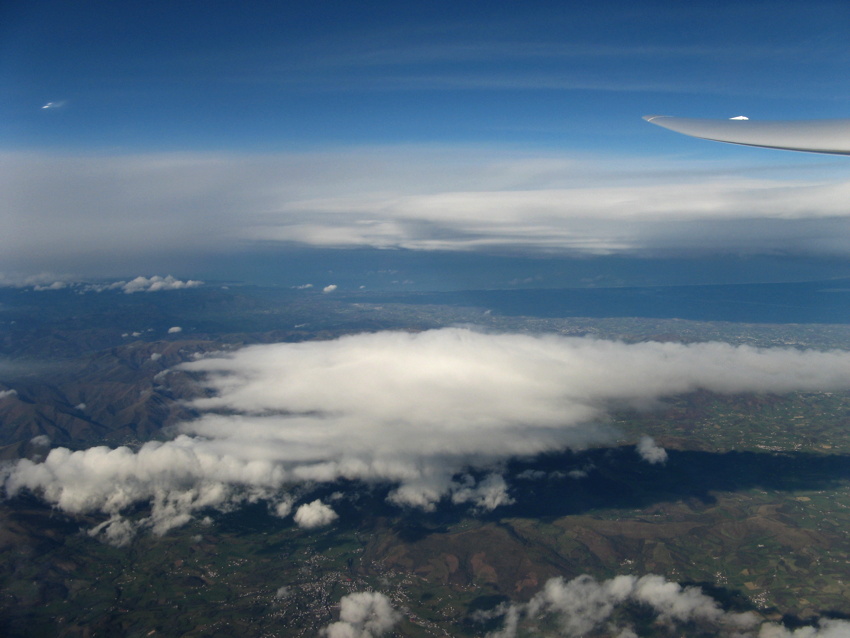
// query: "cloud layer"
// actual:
[[167, 205], [582, 605], [415, 411], [48, 281]]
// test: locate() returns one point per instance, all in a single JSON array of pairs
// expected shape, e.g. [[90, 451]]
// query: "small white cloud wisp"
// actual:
[[650, 451], [412, 411]]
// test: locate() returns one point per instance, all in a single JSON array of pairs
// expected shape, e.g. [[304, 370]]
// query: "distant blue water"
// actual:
[[808, 302]]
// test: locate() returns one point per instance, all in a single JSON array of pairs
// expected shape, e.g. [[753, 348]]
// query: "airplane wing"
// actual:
[[813, 136]]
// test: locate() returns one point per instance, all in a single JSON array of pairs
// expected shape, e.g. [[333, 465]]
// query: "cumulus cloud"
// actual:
[[156, 284], [117, 531], [48, 281], [56, 285], [315, 514], [39, 281], [8, 393], [488, 494], [329, 288], [825, 628], [174, 330], [435, 415], [650, 451], [421, 199], [363, 615], [582, 605], [283, 507]]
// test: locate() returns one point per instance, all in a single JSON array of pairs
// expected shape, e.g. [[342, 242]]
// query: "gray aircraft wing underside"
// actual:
[[812, 136]]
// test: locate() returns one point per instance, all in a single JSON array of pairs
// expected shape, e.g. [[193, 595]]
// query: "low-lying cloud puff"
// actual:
[[414, 411], [650, 451], [157, 283], [363, 615], [315, 514], [574, 608]]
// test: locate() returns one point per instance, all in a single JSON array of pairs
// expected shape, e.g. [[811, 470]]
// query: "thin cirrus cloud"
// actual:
[[65, 211], [412, 411]]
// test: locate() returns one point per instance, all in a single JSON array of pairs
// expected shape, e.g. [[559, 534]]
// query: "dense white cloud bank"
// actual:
[[48, 281], [363, 615], [573, 608], [410, 410], [415, 198]]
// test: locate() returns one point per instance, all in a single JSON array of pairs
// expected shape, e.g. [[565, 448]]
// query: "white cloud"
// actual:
[[174, 330], [42, 440], [39, 281], [825, 628], [414, 411], [116, 531], [415, 198], [48, 281], [283, 507], [156, 284], [329, 288], [315, 514], [583, 605], [363, 615], [650, 451], [8, 393], [488, 494], [56, 285]]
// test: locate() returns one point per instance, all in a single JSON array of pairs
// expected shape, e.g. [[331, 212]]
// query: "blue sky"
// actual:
[[196, 129], [278, 76]]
